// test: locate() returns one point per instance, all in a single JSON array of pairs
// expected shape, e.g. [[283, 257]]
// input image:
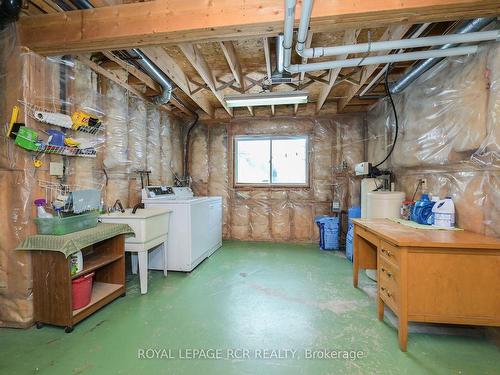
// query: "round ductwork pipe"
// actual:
[[9, 10]]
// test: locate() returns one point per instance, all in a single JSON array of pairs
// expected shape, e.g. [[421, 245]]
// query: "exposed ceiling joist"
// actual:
[[179, 21], [350, 37], [195, 57], [143, 77], [267, 56], [45, 6], [168, 65], [233, 62], [392, 33], [113, 77]]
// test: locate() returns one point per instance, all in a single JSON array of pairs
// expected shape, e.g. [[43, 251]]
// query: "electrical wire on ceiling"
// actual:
[[391, 100]]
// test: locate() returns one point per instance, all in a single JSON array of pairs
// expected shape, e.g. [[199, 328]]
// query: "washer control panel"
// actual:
[[166, 192]]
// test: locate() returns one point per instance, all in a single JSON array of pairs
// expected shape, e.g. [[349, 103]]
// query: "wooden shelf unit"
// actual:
[[52, 296]]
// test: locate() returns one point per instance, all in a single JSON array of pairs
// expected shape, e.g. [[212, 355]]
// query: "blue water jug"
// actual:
[[422, 210]]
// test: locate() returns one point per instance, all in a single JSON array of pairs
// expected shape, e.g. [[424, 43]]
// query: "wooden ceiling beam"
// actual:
[[233, 62], [113, 77], [172, 22], [350, 37], [143, 77], [267, 56], [44, 6], [170, 67], [392, 33], [195, 57]]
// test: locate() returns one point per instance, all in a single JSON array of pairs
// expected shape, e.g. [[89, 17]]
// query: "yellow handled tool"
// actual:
[[13, 119]]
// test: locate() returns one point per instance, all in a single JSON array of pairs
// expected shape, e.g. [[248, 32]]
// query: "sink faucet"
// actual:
[[117, 207], [138, 205]]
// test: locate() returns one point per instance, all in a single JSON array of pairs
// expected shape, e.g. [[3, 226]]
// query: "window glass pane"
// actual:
[[252, 161], [289, 161]]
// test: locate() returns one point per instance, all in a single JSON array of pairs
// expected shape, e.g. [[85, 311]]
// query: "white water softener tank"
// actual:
[[368, 185], [384, 204]]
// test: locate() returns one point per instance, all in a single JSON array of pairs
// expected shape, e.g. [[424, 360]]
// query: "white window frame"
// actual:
[[271, 138]]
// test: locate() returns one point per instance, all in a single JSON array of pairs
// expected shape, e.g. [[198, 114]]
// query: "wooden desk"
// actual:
[[432, 276]]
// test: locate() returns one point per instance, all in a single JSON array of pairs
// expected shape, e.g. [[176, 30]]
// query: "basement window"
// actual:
[[271, 160]]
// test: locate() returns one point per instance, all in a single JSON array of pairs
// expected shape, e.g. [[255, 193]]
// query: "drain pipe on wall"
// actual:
[[186, 179]]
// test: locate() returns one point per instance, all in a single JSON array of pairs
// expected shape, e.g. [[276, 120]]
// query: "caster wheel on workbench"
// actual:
[[68, 329], [39, 325]]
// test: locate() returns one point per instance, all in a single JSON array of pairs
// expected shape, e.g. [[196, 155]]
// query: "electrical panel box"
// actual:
[[56, 169], [362, 169]]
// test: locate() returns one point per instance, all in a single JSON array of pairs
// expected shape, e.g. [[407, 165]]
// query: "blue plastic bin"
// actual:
[[328, 232]]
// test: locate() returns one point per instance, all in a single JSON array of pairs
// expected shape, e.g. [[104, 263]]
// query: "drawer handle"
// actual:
[[382, 269], [387, 292], [384, 251], [389, 274]]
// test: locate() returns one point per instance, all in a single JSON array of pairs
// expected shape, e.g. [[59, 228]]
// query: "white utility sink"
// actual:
[[151, 229], [147, 223]]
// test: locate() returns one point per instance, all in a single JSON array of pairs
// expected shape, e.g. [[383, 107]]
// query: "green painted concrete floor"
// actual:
[[247, 296]]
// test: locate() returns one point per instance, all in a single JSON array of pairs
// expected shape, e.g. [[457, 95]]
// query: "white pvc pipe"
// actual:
[[403, 44], [375, 60], [375, 79], [288, 32], [305, 17]]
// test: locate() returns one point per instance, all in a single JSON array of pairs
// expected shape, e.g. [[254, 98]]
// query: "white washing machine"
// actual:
[[195, 226]]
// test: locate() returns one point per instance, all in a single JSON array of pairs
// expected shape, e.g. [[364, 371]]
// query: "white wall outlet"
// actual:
[[56, 169], [423, 182]]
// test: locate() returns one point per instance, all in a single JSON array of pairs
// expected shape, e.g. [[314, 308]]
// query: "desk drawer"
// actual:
[[390, 253], [370, 237], [389, 293], [389, 273]]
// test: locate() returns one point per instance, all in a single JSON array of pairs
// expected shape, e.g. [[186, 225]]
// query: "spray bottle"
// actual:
[[40, 203]]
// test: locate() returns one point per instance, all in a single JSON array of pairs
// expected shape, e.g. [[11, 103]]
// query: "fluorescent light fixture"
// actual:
[[266, 98]]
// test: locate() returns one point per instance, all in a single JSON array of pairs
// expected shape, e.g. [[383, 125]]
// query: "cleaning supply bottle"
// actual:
[[422, 210], [444, 213], [76, 262], [40, 203]]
